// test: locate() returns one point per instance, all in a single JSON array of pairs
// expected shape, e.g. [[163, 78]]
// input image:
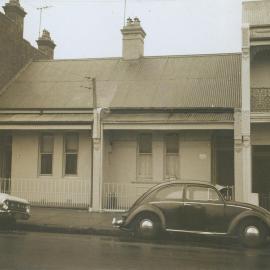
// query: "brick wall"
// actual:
[[15, 52]]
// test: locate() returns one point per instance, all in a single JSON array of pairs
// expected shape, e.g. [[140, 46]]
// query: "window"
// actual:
[[174, 192], [46, 154], [71, 147], [144, 159], [197, 193], [172, 156]]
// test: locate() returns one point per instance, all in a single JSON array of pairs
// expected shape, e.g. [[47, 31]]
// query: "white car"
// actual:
[[14, 207]]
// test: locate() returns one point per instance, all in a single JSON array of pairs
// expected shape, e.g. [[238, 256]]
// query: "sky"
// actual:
[[91, 28]]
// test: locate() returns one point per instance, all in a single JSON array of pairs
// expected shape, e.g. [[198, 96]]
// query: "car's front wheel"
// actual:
[[252, 233], [147, 226]]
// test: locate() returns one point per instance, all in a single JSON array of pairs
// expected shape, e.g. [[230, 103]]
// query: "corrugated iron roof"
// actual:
[[169, 117], [256, 12], [45, 118], [151, 82]]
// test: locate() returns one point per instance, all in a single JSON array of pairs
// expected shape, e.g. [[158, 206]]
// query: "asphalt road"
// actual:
[[27, 251]]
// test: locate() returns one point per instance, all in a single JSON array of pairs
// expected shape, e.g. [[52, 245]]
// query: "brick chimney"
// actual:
[[16, 13], [133, 40], [46, 44]]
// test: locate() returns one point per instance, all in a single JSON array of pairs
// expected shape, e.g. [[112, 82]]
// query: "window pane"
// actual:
[[71, 143], [145, 144], [174, 192], [145, 166], [46, 164], [201, 194], [71, 164], [172, 144], [46, 144], [172, 165]]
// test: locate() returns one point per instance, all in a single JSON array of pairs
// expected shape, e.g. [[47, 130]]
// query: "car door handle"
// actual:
[[198, 206]]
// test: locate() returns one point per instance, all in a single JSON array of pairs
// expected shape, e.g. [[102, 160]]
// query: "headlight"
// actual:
[[28, 209], [5, 205]]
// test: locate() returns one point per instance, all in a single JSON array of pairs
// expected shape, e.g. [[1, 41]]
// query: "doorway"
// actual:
[[261, 173], [5, 162], [223, 159]]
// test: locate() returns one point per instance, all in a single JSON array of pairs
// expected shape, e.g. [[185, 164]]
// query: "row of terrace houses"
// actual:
[[97, 133]]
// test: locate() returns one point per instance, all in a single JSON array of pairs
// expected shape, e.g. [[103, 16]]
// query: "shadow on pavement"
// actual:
[[7, 224], [193, 240]]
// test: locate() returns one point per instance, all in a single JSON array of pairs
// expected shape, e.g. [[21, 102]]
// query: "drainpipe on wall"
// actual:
[[97, 152], [92, 87], [97, 162]]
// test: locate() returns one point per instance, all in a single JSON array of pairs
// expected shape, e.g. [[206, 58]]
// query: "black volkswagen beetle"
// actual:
[[194, 207]]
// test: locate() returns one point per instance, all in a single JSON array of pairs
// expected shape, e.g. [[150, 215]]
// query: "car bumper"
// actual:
[[120, 223], [14, 214], [117, 223]]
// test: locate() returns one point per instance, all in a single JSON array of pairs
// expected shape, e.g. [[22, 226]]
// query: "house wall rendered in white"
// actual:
[[121, 156], [58, 188]]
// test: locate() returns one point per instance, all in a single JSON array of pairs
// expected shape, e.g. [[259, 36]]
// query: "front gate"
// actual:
[[264, 201]]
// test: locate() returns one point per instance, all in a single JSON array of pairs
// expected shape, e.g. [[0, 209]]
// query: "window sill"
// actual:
[[145, 182], [71, 176]]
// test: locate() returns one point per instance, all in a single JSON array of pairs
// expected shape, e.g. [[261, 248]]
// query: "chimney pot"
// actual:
[[16, 13], [133, 40], [46, 44], [137, 21], [129, 21]]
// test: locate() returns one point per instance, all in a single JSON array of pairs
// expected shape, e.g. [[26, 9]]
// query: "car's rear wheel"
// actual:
[[147, 226], [252, 233]]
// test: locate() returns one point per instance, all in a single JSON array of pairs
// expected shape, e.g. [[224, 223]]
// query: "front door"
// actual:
[[204, 210], [5, 162], [261, 174]]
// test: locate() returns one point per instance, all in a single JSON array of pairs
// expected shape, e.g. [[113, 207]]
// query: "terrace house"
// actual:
[[97, 133]]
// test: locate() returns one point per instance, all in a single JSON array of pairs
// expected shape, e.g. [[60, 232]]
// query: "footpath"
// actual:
[[69, 221]]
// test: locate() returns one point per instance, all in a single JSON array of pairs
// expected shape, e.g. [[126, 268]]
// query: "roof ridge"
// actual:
[[145, 57]]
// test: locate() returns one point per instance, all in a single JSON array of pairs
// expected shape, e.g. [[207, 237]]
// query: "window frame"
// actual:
[[66, 153], [176, 154], [154, 196], [45, 153], [203, 201], [144, 178]]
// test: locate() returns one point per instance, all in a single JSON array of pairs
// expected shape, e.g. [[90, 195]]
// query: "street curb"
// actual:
[[67, 230]]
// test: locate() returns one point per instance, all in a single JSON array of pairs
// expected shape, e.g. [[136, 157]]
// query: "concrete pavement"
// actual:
[[69, 221]]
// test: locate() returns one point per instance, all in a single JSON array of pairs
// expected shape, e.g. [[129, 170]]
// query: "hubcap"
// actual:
[[252, 232], [146, 225]]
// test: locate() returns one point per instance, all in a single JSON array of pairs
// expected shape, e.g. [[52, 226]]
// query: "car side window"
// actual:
[[169, 193], [199, 193]]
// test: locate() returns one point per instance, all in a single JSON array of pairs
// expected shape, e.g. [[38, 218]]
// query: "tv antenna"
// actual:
[[40, 17], [125, 9]]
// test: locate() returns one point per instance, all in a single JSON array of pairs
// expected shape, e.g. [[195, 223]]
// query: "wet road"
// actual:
[[27, 251]]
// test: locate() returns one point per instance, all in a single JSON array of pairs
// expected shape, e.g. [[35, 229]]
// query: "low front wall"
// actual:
[[53, 192], [50, 192], [121, 196]]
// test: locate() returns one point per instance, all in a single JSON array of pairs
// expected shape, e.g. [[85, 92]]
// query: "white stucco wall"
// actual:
[[57, 188], [25, 156], [121, 156], [195, 160]]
